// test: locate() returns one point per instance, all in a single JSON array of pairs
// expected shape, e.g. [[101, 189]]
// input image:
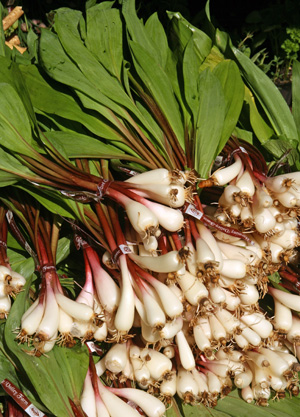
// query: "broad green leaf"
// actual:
[[260, 128], [243, 134], [15, 129], [76, 145], [196, 50], [173, 409], [278, 147], [7, 178], [55, 100], [32, 45], [104, 38], [222, 40], [296, 95], [7, 369], [53, 201], [103, 5], [10, 72], [2, 37], [210, 121], [136, 29], [20, 262], [212, 59], [233, 87], [233, 406], [66, 27], [200, 411], [159, 86], [11, 170], [74, 365], [61, 68], [94, 80], [180, 32], [62, 370], [156, 32], [63, 249], [269, 97]]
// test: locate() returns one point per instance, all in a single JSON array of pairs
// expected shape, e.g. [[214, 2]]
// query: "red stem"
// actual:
[[106, 227], [289, 286], [288, 276], [188, 234], [162, 246], [227, 230], [194, 229], [176, 241]]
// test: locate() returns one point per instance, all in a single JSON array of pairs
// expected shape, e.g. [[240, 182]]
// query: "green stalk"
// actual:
[[179, 156]]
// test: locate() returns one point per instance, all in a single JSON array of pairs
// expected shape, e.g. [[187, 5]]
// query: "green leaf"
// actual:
[[76, 145], [15, 129], [200, 410], [210, 121], [197, 48], [98, 89], [7, 369], [157, 34], [182, 31], [296, 95], [66, 22], [11, 169], [233, 406], [63, 249], [2, 37], [269, 97], [53, 201], [103, 5], [32, 44], [261, 129], [275, 277], [233, 87], [104, 38], [55, 100], [243, 134], [61, 68], [136, 29], [10, 72], [278, 147], [159, 86], [20, 262]]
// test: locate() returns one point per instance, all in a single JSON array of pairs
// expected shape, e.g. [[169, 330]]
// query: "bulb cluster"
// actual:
[[11, 282], [180, 303]]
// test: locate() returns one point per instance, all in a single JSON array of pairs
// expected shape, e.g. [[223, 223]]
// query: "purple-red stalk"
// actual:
[[176, 240], [162, 244]]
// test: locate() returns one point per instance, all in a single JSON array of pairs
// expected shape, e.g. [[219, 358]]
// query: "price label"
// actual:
[[21, 399], [192, 211]]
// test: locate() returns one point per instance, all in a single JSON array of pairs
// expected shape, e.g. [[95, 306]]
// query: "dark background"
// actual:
[[230, 14], [265, 20]]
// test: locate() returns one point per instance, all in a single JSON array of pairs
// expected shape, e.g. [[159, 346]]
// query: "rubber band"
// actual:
[[79, 242], [47, 267], [3, 244], [192, 211], [121, 250], [128, 171], [102, 188], [18, 235]]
